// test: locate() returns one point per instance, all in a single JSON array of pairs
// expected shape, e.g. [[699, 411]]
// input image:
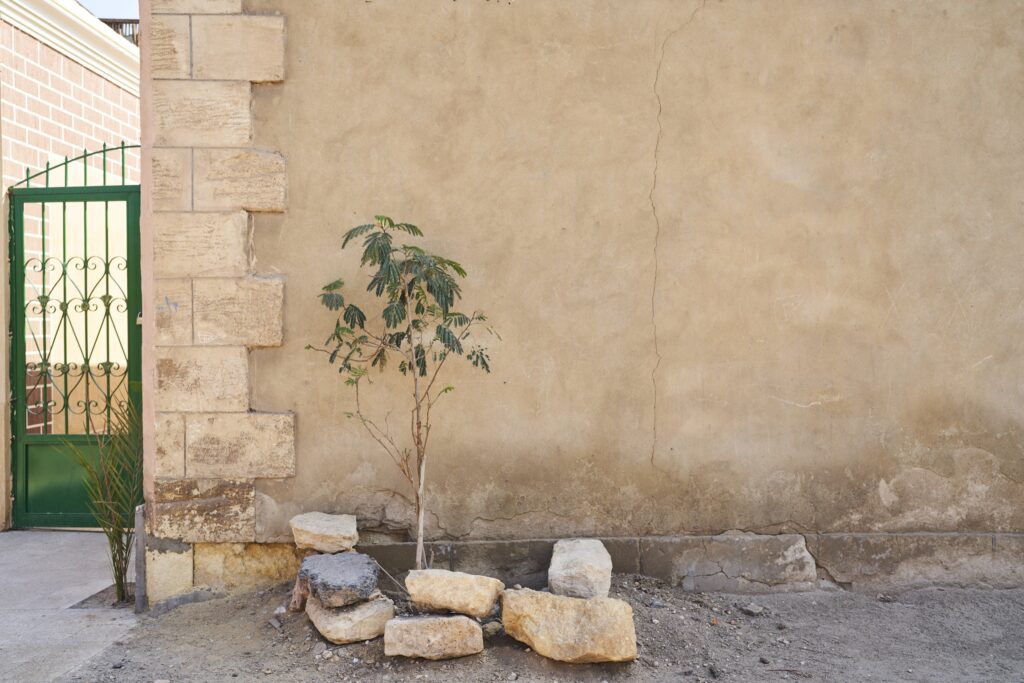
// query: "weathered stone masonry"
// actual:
[[211, 308], [837, 295]]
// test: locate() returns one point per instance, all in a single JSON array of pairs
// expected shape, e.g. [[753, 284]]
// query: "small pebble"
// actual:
[[752, 609]]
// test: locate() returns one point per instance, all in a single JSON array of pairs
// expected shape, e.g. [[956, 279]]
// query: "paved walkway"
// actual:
[[42, 574]]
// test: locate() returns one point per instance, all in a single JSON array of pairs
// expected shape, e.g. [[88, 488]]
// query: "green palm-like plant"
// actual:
[[114, 486], [418, 327]]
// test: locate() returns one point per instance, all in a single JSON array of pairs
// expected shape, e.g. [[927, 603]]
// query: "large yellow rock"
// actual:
[[324, 533], [341, 625], [433, 637], [570, 629], [440, 589]]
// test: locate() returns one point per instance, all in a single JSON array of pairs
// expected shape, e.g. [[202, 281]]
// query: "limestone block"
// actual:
[[433, 637], [570, 629], [238, 47], [247, 311], [440, 589], [204, 511], [173, 312], [236, 566], [341, 625], [874, 562], [169, 46], [340, 580], [196, 6], [733, 562], [240, 445], [192, 379], [580, 568], [167, 574], [170, 446], [324, 533], [202, 113], [171, 179], [227, 179], [201, 244]]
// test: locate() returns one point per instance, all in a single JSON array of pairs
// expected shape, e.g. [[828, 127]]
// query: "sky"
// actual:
[[113, 9]]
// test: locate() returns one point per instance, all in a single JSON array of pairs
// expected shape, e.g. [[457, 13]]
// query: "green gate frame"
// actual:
[[21, 195]]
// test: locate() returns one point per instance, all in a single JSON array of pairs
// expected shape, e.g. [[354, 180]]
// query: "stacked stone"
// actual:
[[577, 621], [337, 586], [463, 599]]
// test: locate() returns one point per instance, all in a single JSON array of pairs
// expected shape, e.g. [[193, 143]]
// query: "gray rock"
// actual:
[[752, 609], [340, 580], [580, 568]]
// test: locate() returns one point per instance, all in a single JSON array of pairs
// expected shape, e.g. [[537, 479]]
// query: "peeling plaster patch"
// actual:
[[886, 494]]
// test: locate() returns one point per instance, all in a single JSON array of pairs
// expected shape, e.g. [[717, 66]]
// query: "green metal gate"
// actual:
[[75, 344]]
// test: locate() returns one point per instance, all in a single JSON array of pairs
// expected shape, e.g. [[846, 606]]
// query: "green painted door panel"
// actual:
[[54, 479], [75, 298]]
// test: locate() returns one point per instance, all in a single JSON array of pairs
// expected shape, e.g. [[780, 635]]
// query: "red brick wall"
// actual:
[[52, 107]]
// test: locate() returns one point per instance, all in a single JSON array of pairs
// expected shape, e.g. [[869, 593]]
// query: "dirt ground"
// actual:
[[926, 635]]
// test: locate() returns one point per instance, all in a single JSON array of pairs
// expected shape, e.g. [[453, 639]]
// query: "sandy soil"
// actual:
[[927, 635]]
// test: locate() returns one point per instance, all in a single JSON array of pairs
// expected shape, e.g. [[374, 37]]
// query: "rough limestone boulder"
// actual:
[[340, 580], [440, 589], [570, 629], [580, 568], [340, 625], [433, 637], [325, 533]]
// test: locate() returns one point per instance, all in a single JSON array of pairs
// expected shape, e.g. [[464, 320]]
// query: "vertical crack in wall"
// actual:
[[657, 224]]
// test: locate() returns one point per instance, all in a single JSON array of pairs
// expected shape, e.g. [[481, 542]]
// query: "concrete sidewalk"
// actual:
[[42, 575]]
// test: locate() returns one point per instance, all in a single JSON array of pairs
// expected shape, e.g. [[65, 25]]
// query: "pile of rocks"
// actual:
[[573, 620], [576, 621], [443, 637], [336, 585]]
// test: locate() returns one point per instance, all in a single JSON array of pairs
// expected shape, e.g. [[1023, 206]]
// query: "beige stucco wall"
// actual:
[[755, 264]]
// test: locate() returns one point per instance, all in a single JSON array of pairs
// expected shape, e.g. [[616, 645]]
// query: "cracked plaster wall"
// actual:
[[756, 265]]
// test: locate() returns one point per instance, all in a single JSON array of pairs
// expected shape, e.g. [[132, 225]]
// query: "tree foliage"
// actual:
[[416, 332]]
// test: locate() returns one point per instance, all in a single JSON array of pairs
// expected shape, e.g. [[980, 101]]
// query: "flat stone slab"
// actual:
[[570, 629], [440, 589], [325, 533], [362, 621], [340, 580], [580, 568], [733, 562], [433, 637]]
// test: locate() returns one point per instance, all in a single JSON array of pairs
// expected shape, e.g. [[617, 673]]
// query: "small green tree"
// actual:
[[417, 326], [114, 486]]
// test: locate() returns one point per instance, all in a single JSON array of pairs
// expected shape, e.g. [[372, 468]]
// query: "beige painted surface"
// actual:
[[756, 265]]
